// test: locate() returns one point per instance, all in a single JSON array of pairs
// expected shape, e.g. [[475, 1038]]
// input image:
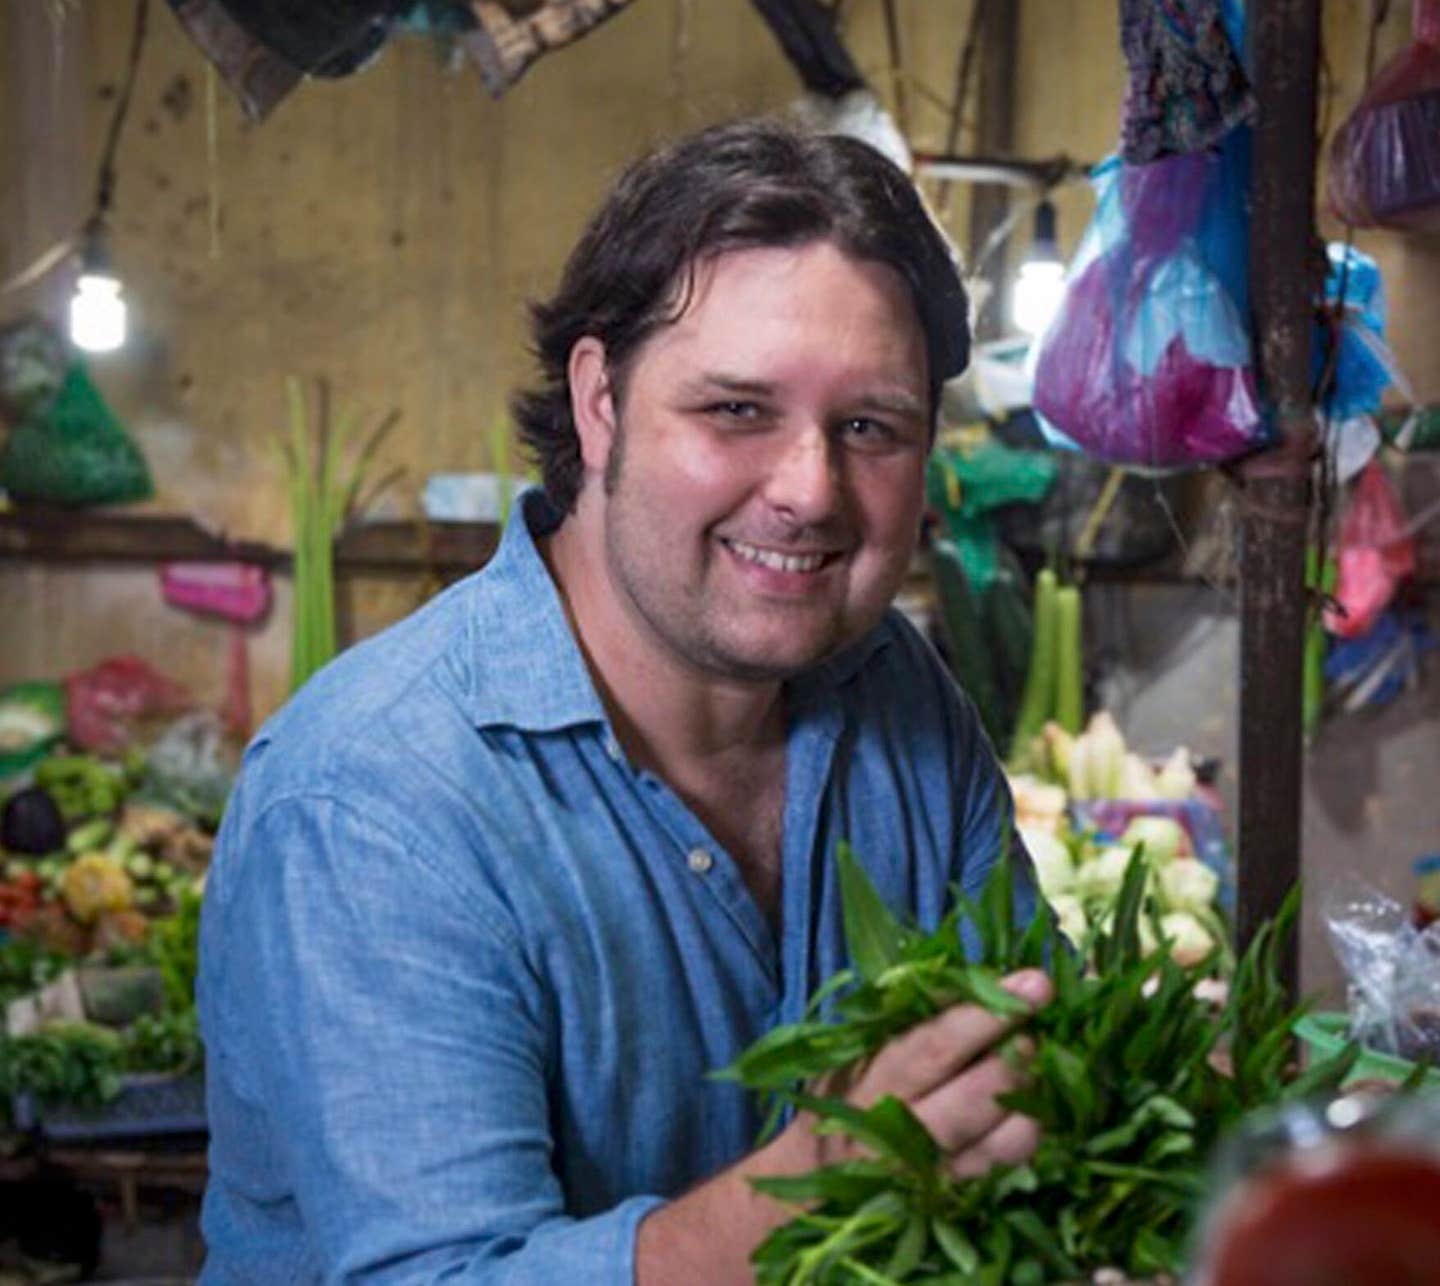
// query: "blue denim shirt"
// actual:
[[464, 969]]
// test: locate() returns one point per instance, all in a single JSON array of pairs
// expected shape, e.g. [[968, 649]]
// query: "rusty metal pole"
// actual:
[[1284, 38]]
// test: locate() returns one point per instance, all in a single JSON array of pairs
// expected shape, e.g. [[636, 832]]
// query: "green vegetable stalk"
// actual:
[[1123, 1083], [1069, 679], [1313, 673], [320, 503], [1038, 698]]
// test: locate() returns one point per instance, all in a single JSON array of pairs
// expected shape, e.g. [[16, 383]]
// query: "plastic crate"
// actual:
[[1328, 1033], [147, 1106]]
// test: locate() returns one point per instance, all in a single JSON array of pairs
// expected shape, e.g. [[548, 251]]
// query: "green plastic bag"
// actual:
[[74, 451]]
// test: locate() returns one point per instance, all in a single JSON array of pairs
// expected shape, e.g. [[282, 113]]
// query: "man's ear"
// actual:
[[592, 402]]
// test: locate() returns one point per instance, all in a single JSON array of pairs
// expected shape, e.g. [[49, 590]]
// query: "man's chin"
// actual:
[[783, 660]]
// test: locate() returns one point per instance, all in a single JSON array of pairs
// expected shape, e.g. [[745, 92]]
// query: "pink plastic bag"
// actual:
[[1385, 158], [108, 703], [1375, 555]]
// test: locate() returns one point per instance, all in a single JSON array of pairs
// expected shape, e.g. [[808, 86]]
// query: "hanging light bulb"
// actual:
[[97, 312], [1040, 286]]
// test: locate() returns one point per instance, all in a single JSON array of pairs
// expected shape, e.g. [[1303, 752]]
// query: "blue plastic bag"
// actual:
[[1364, 365]]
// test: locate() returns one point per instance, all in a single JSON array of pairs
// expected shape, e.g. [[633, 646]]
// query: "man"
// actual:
[[501, 886]]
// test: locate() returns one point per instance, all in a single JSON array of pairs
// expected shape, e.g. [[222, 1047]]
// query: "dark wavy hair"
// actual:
[[747, 184]]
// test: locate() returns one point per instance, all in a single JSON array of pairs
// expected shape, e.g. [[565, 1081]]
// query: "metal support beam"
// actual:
[[1284, 38], [994, 136]]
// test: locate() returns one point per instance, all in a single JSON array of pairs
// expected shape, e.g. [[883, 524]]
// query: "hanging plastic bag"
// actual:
[[1364, 366], [112, 704], [1148, 362], [1376, 554], [74, 452], [1385, 158]]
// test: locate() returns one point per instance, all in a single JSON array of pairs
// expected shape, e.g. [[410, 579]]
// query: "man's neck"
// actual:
[[669, 717]]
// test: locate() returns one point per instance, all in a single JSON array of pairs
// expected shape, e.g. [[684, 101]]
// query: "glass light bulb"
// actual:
[[1038, 292], [97, 314]]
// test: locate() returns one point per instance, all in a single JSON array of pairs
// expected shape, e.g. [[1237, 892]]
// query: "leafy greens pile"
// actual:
[[83, 1064], [1124, 1084]]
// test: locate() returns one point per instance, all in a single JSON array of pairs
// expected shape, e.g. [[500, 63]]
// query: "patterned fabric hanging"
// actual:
[[1187, 87]]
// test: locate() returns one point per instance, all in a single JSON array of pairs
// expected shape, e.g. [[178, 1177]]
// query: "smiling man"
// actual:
[[501, 886]]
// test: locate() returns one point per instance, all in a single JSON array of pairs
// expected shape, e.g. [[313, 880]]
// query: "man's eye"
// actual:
[[734, 410], [861, 428]]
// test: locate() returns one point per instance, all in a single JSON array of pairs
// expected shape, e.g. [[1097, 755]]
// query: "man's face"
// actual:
[[763, 490]]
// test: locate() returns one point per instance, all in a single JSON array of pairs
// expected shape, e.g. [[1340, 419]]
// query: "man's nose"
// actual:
[[806, 480]]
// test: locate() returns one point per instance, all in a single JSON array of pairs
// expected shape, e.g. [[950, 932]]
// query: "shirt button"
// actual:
[[612, 747], [699, 860]]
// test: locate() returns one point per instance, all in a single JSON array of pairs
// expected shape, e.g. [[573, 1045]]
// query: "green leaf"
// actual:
[[983, 985], [872, 934], [1020, 1178], [888, 1127], [909, 1248], [958, 1248], [851, 1183], [1154, 1253], [997, 908], [1032, 1229], [1326, 1075]]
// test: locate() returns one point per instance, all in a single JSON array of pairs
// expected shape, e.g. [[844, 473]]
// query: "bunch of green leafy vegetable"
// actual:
[[1125, 1082], [83, 1064], [25, 967]]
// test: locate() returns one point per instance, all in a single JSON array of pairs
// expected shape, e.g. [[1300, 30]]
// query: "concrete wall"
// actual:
[[384, 230]]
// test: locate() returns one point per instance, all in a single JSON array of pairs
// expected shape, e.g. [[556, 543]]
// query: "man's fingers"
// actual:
[[963, 1110], [933, 1052], [1012, 1141]]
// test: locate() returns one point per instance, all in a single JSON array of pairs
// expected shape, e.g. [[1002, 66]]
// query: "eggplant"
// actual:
[[31, 823]]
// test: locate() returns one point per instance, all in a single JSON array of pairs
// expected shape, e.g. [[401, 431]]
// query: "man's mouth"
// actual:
[[775, 559]]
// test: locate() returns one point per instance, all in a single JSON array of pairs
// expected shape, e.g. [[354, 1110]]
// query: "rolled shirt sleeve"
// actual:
[[381, 1016]]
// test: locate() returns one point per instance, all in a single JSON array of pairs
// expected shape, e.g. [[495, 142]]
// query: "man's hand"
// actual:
[[948, 1071]]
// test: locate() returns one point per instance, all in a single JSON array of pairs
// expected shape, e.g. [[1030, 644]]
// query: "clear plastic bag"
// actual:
[[1385, 157], [1148, 363], [1392, 971]]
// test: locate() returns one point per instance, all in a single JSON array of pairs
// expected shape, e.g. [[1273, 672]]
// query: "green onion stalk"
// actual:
[[323, 496]]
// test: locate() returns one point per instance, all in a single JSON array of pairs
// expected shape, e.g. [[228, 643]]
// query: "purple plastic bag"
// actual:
[[1385, 158], [1148, 362]]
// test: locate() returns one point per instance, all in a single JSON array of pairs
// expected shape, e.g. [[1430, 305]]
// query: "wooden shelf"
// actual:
[[43, 534]]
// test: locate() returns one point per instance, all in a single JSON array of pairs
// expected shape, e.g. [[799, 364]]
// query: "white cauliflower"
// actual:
[[1054, 868], [1070, 916], [1187, 884], [1190, 941]]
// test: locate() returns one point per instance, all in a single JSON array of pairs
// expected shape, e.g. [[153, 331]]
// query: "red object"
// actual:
[[1361, 1214], [104, 702], [1375, 555], [1385, 157]]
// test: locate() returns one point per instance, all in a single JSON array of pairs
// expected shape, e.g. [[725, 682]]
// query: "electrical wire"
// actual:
[[105, 179]]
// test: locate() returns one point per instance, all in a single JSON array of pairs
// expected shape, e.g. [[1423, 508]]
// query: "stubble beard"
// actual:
[[684, 633]]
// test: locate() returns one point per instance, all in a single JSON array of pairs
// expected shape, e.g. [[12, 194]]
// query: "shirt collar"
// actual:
[[528, 669]]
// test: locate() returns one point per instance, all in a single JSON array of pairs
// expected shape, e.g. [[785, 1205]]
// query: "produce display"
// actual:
[[1134, 1078], [1081, 879], [101, 879]]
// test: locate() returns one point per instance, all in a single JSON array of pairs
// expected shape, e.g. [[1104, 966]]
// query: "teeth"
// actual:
[[772, 558]]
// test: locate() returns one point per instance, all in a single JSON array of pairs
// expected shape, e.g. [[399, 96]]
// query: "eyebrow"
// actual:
[[896, 403]]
